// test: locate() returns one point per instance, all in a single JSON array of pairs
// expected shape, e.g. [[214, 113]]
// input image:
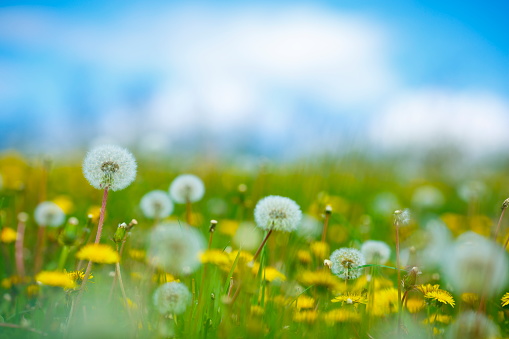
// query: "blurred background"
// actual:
[[278, 79]]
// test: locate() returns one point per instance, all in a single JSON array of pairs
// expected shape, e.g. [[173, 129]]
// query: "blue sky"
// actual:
[[262, 77]]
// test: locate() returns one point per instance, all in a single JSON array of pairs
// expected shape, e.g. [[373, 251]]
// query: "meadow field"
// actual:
[[343, 247]]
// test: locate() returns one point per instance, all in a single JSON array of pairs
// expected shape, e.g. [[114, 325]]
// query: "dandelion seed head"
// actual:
[[376, 252], [247, 236], [428, 196], [345, 262], [48, 213], [175, 248], [402, 217], [156, 204], [172, 298], [187, 187], [109, 166], [277, 213], [309, 228], [475, 264]]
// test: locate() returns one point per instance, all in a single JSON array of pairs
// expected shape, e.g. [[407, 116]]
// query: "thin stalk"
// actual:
[[20, 262], [188, 212], [261, 246], [504, 207], [328, 211], [399, 277], [117, 267], [39, 249], [63, 257]]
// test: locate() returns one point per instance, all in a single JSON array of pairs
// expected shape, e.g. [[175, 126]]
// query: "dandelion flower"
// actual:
[[475, 264], [269, 273], [277, 213], [473, 325], [376, 252], [350, 298], [345, 263], [98, 253], [438, 318], [308, 316], [53, 278], [414, 305], [8, 235], [109, 166], [428, 288], [187, 188], [172, 298], [320, 249], [321, 278], [341, 315], [156, 204], [402, 217], [441, 296], [505, 299], [175, 248], [49, 214], [428, 196]]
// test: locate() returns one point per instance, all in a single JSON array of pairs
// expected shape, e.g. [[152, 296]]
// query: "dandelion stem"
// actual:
[[120, 282], [328, 211], [261, 246], [399, 277], [188, 212], [504, 207], [63, 257], [101, 216], [39, 249], [20, 263]]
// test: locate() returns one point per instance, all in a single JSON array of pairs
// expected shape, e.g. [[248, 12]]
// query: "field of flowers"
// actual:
[[116, 245]]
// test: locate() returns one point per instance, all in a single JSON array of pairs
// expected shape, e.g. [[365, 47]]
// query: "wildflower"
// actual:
[[376, 252], [172, 298], [470, 298], [341, 315], [346, 262], [308, 316], [321, 278], [414, 305], [33, 290], [162, 278], [136, 254], [475, 264], [473, 325], [428, 196], [156, 204], [228, 227], [441, 296], [13, 280], [49, 214], [218, 258], [309, 228], [65, 203], [304, 302], [438, 318], [320, 249], [304, 257], [98, 253], [402, 217], [378, 283], [109, 166], [257, 310], [187, 188], [175, 248], [53, 278], [77, 276], [438, 238], [8, 235], [269, 273], [277, 213], [428, 288], [350, 298], [505, 299], [386, 301]]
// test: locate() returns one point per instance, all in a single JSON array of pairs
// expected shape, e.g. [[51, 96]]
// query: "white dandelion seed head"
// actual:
[[187, 187], [277, 213], [247, 236], [428, 196], [376, 252], [175, 248], [345, 263], [475, 264], [402, 217], [438, 238], [48, 213], [156, 204], [172, 298], [473, 325], [309, 228], [109, 166]]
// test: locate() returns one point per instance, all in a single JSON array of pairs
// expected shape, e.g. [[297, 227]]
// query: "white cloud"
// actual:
[[473, 121]]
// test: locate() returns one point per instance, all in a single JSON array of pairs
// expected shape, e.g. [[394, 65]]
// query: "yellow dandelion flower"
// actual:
[[341, 315], [320, 249], [162, 278], [386, 301], [304, 302], [363, 282], [438, 318], [77, 276], [442, 296], [228, 227], [54, 278], [350, 298], [505, 299], [308, 316], [98, 253], [257, 310], [33, 290], [469, 298], [280, 300], [321, 278], [136, 254], [8, 235], [427, 288], [94, 211], [65, 203], [269, 273], [414, 305], [13, 280], [438, 331], [304, 257], [244, 256], [218, 258]]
